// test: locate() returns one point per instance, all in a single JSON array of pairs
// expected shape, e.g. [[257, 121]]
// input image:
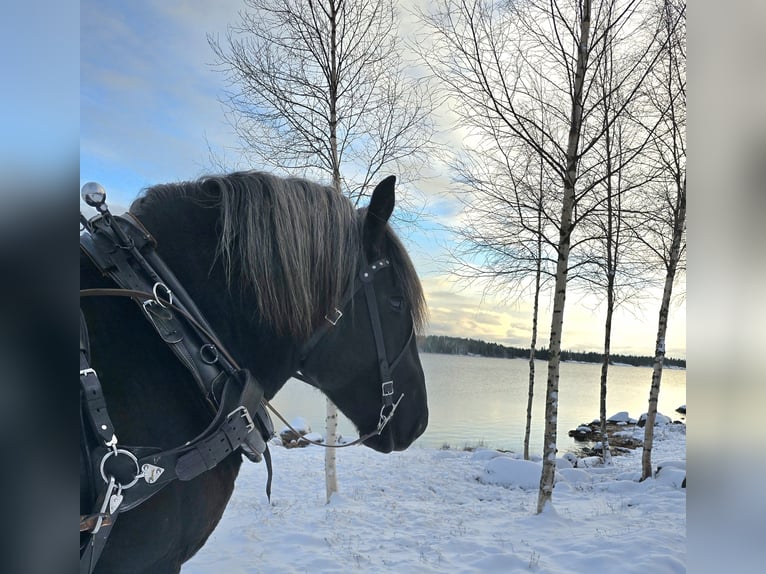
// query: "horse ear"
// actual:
[[378, 212]]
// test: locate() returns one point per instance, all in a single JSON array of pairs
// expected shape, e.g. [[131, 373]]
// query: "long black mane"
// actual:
[[293, 244]]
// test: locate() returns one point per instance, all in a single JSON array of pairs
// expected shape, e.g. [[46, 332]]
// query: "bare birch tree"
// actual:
[[506, 235], [318, 87], [491, 57], [613, 272], [665, 233]]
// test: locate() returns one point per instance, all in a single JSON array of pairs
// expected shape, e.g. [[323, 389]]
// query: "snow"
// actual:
[[660, 420], [621, 417], [429, 510], [512, 473]]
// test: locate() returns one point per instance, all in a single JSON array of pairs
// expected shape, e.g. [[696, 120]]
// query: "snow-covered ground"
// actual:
[[428, 510]]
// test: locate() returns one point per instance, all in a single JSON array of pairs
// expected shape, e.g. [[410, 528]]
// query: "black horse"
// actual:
[[267, 261]]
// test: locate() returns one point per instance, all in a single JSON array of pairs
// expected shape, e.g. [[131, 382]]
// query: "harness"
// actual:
[[122, 477]]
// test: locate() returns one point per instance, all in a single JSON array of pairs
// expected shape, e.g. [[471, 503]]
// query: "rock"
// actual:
[[575, 475], [621, 417], [571, 457], [681, 409], [679, 464], [671, 476], [291, 437], [484, 454], [588, 462], [299, 424], [311, 436], [511, 473], [583, 432], [659, 420]]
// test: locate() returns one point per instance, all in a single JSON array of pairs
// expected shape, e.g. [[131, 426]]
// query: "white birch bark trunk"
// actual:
[[331, 420], [331, 430], [552, 389], [659, 351], [547, 476], [533, 343], [606, 452]]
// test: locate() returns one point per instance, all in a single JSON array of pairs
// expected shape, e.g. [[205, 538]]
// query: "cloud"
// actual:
[[460, 312], [465, 311], [149, 95]]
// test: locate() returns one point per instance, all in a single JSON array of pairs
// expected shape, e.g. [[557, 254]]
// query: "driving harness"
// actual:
[[121, 477]]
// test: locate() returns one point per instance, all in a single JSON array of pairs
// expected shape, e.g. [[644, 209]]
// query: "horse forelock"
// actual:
[[294, 244]]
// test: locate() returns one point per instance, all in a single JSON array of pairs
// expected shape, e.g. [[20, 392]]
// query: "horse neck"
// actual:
[[186, 240]]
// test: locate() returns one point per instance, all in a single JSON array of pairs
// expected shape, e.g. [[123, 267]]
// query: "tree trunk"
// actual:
[[659, 351], [611, 268], [331, 420], [533, 343], [557, 323], [531, 391], [565, 235], [606, 453], [331, 430]]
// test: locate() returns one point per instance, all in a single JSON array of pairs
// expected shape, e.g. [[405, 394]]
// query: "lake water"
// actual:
[[479, 400]]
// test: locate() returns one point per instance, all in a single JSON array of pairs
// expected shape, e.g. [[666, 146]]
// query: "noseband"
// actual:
[[365, 279]]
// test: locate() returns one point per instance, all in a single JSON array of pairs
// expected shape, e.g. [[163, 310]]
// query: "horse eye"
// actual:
[[397, 303]]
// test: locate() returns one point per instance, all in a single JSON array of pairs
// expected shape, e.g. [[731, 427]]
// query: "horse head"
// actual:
[[368, 362], [284, 285]]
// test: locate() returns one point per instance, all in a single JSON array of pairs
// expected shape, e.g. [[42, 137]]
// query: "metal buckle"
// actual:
[[388, 388], [245, 414], [334, 320], [112, 442], [86, 372]]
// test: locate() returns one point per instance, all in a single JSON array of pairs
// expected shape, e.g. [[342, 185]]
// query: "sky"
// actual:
[[150, 113]]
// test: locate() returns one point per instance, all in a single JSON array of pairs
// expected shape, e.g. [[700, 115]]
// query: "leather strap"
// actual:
[[124, 251], [134, 265], [95, 545], [94, 402], [380, 345]]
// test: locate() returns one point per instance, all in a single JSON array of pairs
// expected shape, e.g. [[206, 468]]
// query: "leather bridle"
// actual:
[[365, 279]]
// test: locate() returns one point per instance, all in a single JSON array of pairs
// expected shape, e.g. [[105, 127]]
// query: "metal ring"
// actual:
[[130, 455], [208, 353], [167, 291]]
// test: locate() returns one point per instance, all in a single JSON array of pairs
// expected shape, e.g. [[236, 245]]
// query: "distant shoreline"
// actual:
[[443, 345]]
